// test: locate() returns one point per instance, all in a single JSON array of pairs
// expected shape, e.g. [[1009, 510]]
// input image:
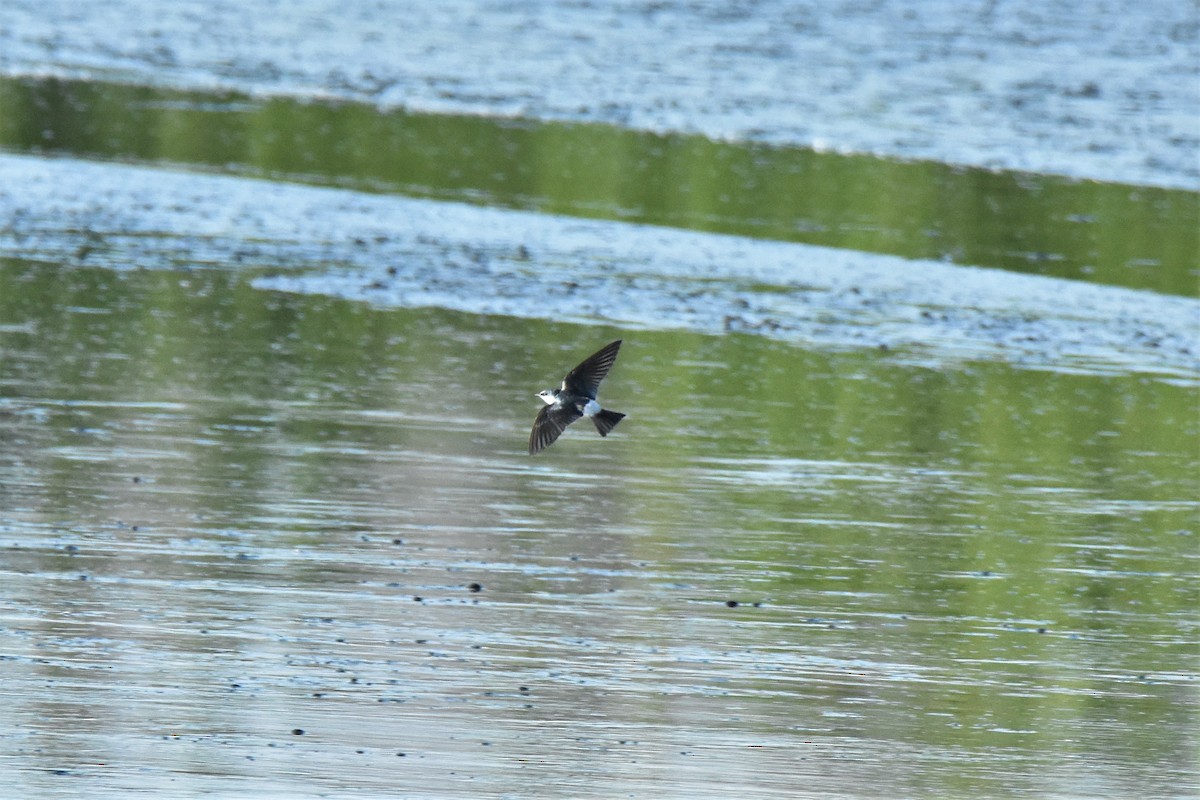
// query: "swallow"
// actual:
[[576, 398]]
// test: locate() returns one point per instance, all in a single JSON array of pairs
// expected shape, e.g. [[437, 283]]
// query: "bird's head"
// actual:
[[548, 396]]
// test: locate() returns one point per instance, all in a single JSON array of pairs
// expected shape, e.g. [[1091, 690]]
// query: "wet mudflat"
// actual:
[[257, 542]]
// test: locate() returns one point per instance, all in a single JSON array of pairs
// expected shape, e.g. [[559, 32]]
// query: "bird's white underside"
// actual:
[[591, 409]]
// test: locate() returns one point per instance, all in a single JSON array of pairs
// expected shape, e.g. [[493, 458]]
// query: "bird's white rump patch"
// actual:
[[591, 409]]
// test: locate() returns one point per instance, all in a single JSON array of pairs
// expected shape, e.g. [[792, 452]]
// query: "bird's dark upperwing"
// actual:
[[585, 379], [550, 423]]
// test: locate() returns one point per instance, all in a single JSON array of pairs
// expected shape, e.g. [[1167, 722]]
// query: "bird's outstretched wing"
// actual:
[[551, 421], [585, 379]]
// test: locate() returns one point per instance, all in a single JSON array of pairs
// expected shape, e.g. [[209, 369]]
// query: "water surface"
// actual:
[[1105, 92], [231, 515], [905, 504], [1139, 237]]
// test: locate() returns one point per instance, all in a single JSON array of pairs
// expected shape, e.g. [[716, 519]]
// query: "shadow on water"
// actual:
[[1107, 233], [255, 540]]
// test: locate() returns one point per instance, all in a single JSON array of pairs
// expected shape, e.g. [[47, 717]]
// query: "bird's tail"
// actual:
[[607, 420]]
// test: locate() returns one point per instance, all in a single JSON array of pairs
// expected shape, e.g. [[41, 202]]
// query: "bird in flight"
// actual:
[[576, 398]]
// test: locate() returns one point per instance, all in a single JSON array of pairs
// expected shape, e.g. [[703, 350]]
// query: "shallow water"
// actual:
[[905, 504], [1137, 237], [233, 514], [1100, 91], [403, 252]]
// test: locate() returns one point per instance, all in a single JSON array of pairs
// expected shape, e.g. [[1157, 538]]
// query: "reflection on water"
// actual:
[[260, 543], [1113, 234]]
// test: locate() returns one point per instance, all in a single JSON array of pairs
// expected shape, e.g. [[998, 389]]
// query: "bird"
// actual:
[[576, 398]]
